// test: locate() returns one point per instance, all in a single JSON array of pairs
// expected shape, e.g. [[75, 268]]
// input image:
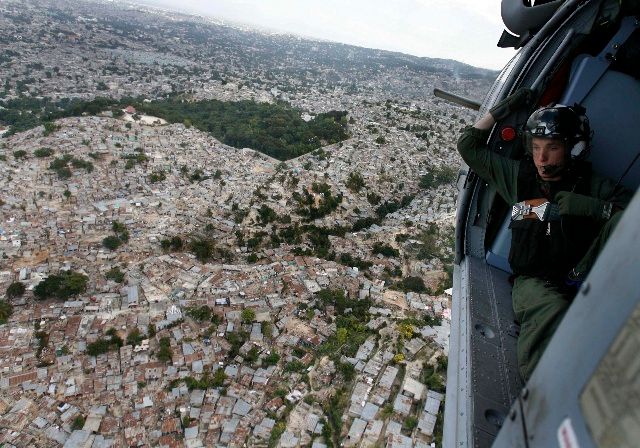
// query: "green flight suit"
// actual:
[[538, 304]]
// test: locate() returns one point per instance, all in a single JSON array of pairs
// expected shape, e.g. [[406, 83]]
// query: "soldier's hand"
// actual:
[[513, 102], [574, 204]]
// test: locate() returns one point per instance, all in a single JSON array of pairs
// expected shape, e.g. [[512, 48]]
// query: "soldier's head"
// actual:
[[556, 136]]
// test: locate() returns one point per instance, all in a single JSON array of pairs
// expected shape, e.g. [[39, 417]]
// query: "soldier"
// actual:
[[562, 212]]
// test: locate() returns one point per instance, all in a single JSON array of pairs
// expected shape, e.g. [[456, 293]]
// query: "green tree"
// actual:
[[341, 336], [165, 353], [202, 248], [276, 433], [118, 227], [201, 314], [266, 214], [114, 338], [252, 355], [267, 329], [43, 152], [157, 176], [248, 315], [175, 243], [410, 423], [355, 182], [15, 289], [134, 337], [78, 423], [111, 242], [271, 359], [414, 284], [62, 286], [437, 177], [347, 370], [364, 223], [218, 378], [294, 366], [385, 249], [373, 198], [64, 173], [115, 274], [98, 347], [5, 311], [49, 128], [406, 331]]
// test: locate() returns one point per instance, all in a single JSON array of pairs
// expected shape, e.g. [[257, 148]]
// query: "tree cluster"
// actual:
[[121, 236], [61, 286], [307, 207], [24, 113], [203, 313], [207, 381], [437, 177], [349, 260], [115, 274], [133, 159], [172, 244], [15, 289], [355, 182], [236, 339], [385, 249], [61, 165], [412, 284], [393, 206], [157, 176], [5, 311], [135, 337], [165, 353], [103, 345], [43, 152], [274, 129]]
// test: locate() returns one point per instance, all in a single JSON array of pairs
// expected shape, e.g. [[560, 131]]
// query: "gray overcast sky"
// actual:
[[464, 30]]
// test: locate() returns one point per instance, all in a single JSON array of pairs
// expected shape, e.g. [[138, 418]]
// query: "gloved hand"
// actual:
[[513, 102], [575, 204]]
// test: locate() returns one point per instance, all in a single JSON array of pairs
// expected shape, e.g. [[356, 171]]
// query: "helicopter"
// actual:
[[585, 390]]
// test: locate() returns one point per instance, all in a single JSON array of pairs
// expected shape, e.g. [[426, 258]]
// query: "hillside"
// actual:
[[161, 285]]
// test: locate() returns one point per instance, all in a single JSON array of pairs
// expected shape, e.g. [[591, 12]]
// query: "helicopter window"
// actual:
[[612, 101]]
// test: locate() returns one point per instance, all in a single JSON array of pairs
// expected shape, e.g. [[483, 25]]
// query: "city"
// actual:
[[178, 291]]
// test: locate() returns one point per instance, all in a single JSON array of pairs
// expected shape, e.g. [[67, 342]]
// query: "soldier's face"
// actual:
[[548, 157]]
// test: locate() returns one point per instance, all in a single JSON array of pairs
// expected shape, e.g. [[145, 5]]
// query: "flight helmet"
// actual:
[[566, 123]]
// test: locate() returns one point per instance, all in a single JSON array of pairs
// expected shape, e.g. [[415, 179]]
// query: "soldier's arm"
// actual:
[[606, 189], [498, 171]]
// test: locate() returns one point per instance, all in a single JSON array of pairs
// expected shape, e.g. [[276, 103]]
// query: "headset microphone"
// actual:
[[550, 170]]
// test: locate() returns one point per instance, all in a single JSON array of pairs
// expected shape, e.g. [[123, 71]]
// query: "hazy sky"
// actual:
[[464, 30]]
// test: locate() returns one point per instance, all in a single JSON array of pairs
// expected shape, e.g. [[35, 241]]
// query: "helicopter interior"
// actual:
[[583, 53], [609, 88]]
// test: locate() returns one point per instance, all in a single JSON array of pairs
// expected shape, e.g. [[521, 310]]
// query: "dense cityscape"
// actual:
[[164, 284]]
